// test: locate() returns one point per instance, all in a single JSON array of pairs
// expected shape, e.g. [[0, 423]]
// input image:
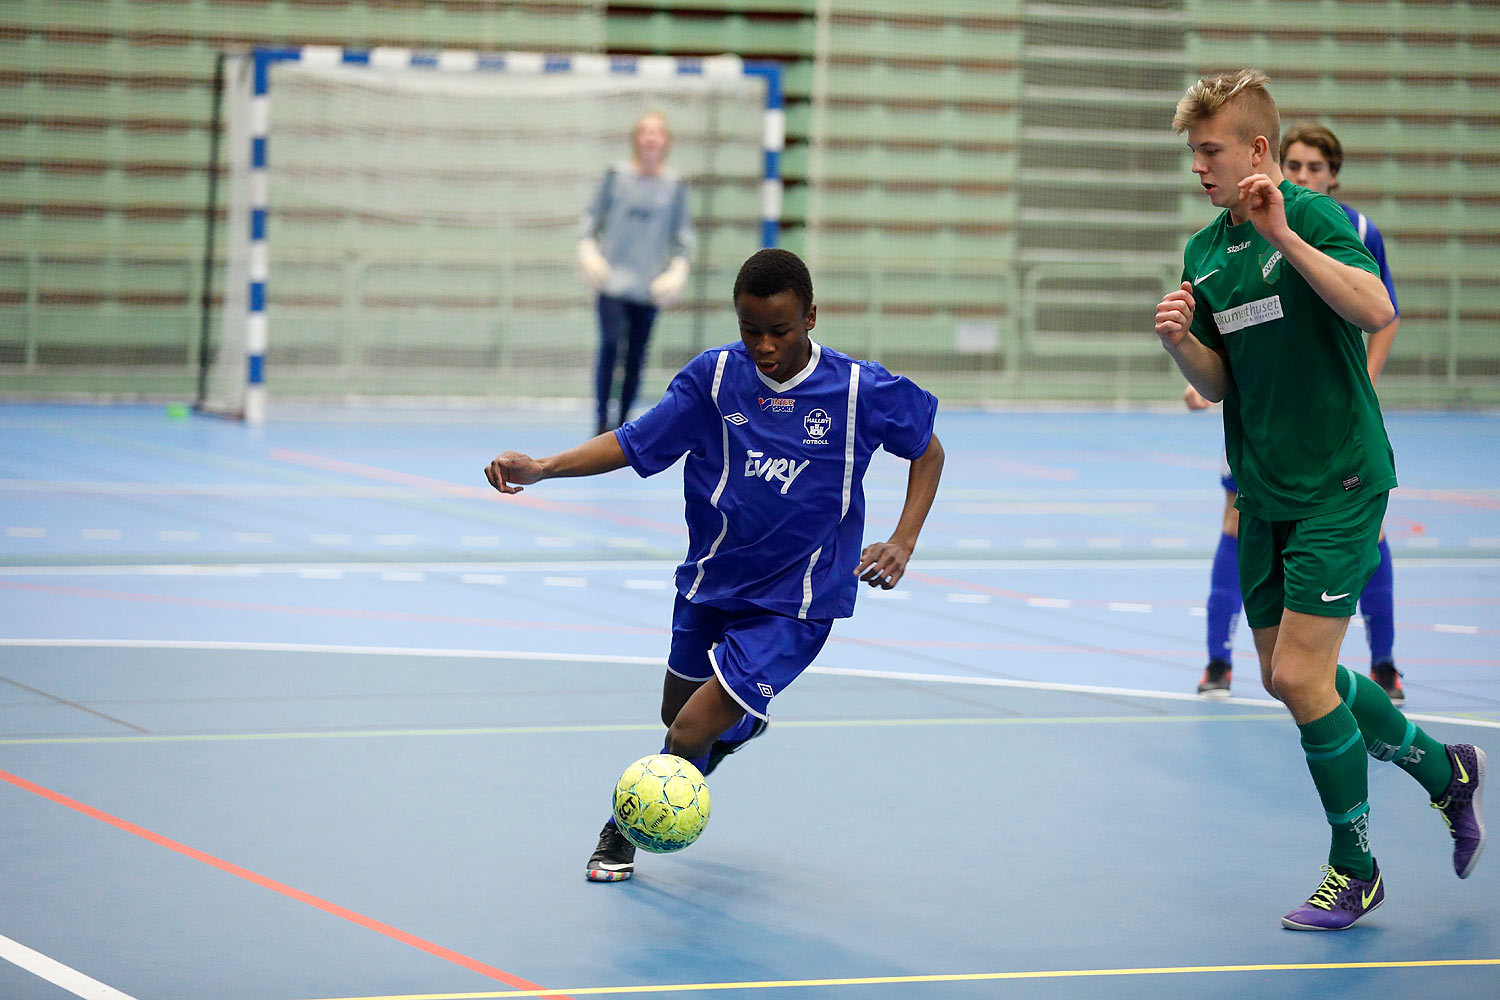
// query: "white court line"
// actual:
[[316, 647], [396, 540], [1083, 564], [56, 973], [490, 579], [513, 654]]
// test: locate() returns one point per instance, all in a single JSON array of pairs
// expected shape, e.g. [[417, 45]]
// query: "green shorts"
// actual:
[[1318, 565]]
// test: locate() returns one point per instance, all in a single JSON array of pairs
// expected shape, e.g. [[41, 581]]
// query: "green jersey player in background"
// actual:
[[1267, 319]]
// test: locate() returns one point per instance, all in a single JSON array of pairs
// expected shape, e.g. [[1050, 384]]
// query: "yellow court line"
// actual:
[[953, 978], [345, 734]]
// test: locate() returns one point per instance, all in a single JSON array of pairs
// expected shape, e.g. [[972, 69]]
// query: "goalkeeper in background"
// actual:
[[636, 234]]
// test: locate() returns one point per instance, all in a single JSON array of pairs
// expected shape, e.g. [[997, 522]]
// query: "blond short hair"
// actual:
[[1244, 93]]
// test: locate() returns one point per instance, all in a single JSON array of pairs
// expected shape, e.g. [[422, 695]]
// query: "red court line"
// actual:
[[969, 585], [369, 923], [1007, 467]]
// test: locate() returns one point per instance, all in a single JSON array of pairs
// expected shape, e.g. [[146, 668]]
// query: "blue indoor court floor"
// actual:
[[308, 711]]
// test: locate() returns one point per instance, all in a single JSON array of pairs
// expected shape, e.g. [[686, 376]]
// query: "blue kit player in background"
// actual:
[[778, 431], [1311, 157]]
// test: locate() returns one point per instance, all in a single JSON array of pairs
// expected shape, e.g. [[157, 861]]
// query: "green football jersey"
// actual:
[[1302, 426]]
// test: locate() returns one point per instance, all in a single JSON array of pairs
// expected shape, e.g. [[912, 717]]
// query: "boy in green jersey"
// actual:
[[1268, 317]]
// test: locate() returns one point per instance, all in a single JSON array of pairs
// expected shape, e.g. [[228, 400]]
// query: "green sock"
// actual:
[[1336, 759], [1391, 736]]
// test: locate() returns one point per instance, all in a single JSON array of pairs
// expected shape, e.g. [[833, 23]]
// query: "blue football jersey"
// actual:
[[775, 506], [1375, 243]]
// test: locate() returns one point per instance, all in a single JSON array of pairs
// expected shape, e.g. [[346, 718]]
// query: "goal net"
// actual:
[[405, 224]]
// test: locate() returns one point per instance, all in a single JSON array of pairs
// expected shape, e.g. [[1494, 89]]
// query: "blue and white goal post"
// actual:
[[405, 223]]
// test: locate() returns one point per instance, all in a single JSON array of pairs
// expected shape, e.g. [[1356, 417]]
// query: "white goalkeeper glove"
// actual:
[[666, 288], [595, 267]]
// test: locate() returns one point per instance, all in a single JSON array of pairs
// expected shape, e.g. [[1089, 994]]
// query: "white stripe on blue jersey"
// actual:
[[1370, 236], [723, 479]]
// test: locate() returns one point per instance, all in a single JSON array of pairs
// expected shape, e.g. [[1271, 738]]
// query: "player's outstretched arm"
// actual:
[[1201, 365], [882, 564], [511, 471], [1358, 296]]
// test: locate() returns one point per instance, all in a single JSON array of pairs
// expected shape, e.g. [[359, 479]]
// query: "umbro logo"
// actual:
[[766, 690], [738, 419]]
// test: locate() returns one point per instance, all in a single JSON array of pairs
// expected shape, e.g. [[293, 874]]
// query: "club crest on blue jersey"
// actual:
[[817, 424], [777, 404]]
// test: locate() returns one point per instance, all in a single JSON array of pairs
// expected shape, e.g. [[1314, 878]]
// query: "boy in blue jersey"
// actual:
[[778, 431], [1311, 157]]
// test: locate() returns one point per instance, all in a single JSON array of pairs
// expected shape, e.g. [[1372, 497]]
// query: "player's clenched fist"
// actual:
[[1174, 315], [1264, 206], [511, 470]]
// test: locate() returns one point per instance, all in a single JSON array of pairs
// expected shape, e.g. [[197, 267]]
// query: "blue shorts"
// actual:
[[1225, 478], [755, 653]]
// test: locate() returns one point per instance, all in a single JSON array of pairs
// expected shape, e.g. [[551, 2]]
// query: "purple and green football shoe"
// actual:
[[1338, 902], [1460, 806]]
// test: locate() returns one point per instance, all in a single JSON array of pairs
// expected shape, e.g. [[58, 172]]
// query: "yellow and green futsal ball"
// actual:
[[661, 803]]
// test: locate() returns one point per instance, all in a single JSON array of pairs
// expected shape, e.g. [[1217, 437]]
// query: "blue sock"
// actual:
[[699, 762], [1224, 599], [740, 731], [1377, 605]]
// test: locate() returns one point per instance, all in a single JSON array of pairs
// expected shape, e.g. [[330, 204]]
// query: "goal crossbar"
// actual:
[[264, 60]]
